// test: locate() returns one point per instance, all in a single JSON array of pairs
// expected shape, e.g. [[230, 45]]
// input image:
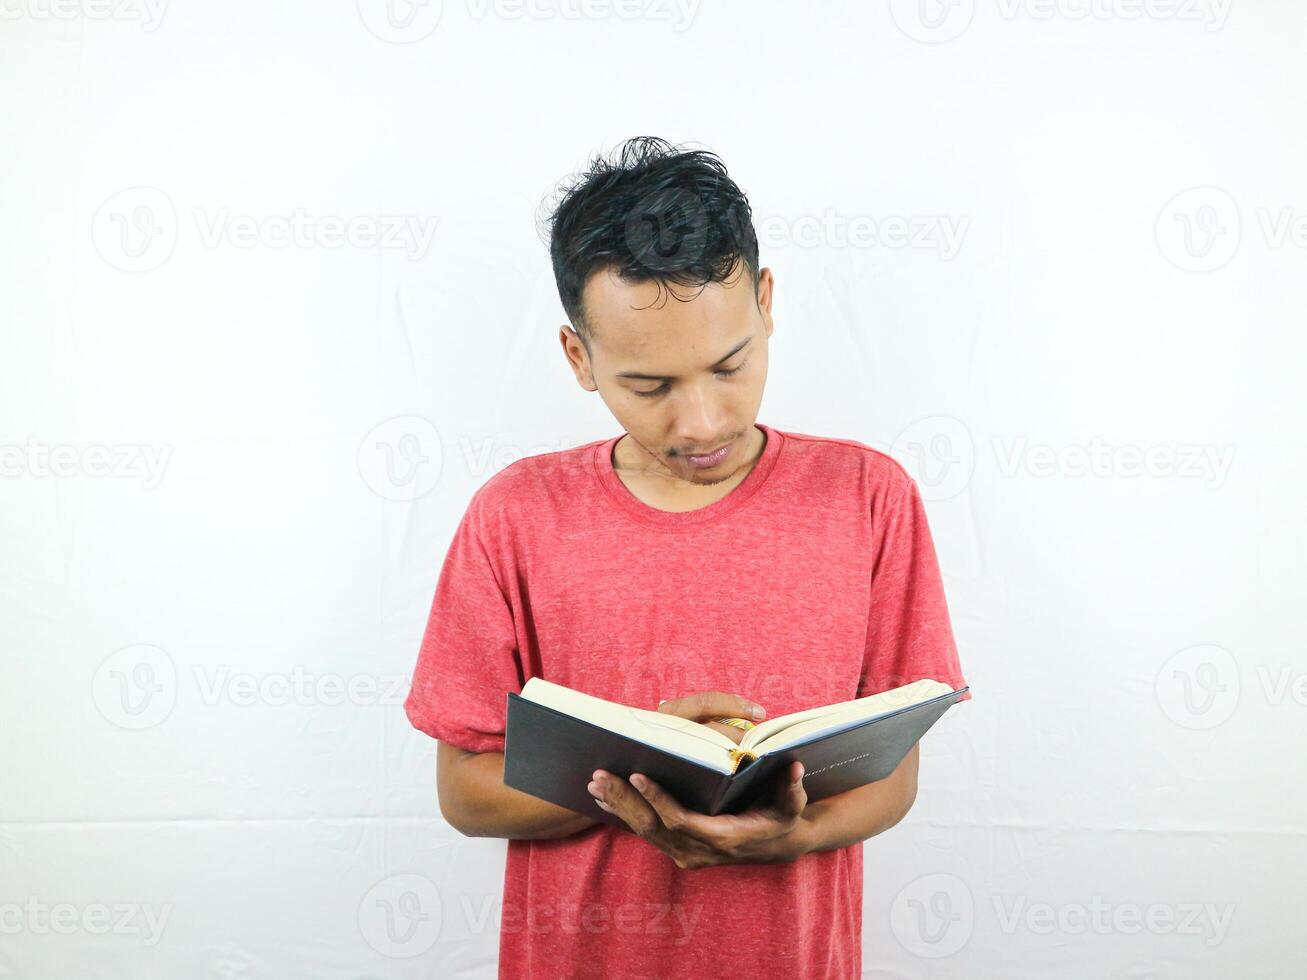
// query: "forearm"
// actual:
[[476, 802], [855, 815]]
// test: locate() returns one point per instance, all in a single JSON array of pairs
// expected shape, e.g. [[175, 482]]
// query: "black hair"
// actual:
[[652, 212]]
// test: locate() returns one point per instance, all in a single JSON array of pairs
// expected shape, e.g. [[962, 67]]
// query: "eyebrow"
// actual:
[[637, 376]]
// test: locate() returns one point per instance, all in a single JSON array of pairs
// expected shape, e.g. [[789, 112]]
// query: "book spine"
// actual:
[[738, 755]]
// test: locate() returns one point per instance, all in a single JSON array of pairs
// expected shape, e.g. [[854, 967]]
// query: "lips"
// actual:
[[709, 453], [701, 461]]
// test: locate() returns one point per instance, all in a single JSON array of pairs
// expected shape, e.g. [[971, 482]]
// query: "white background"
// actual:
[[233, 463]]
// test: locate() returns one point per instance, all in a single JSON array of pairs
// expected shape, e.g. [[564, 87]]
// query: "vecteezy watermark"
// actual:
[[488, 455], [673, 920], [400, 21], [137, 687], [408, 21], [404, 915], [148, 13], [38, 918], [400, 917], [298, 686], [939, 233], [1200, 686], [938, 21], [300, 229], [670, 919], [1208, 14], [401, 458], [669, 226], [404, 458], [1199, 229], [935, 916], [1202, 229], [137, 230], [932, 21], [939, 453], [143, 462], [1208, 463], [1207, 920], [679, 13]]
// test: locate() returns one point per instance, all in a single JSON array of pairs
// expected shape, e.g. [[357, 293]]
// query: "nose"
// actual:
[[702, 422]]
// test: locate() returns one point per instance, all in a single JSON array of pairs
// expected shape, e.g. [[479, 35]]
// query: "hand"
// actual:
[[768, 832], [703, 706]]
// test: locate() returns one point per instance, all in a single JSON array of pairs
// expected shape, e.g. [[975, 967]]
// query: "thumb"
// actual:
[[791, 797]]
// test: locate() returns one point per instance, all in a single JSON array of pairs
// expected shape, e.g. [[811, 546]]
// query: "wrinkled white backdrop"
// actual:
[[273, 305]]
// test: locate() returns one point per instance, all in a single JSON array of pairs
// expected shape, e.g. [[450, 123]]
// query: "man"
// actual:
[[700, 559]]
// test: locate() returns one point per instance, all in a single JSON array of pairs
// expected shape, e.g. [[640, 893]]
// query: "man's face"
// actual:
[[684, 377]]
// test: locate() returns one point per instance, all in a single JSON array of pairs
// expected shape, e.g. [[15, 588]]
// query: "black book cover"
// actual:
[[551, 755]]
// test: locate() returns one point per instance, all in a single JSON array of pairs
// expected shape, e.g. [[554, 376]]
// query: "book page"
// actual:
[[795, 727], [679, 736]]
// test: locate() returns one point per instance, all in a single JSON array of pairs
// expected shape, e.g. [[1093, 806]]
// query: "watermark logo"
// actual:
[[400, 916], [932, 21], [1199, 229], [666, 229], [135, 230], [1199, 687], [138, 228], [933, 916], [402, 458], [939, 453], [135, 687], [400, 21]]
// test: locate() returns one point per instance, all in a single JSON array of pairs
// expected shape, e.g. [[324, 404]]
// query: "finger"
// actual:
[[730, 731], [791, 797], [676, 818], [623, 801], [713, 704]]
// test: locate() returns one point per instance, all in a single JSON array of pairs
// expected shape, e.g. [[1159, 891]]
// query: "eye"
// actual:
[[663, 387]]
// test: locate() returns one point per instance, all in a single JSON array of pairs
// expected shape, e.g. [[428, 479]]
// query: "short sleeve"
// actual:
[[468, 661], [909, 635]]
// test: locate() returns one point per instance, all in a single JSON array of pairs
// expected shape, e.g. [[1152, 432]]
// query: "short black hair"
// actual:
[[652, 212]]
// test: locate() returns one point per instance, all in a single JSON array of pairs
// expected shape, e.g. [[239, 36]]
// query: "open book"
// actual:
[[556, 737]]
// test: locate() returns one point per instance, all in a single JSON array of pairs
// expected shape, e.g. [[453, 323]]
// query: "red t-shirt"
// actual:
[[813, 581]]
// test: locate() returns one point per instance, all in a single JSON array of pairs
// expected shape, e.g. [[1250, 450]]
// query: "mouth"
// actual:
[[707, 460]]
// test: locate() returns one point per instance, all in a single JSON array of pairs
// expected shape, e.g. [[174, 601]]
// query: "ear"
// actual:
[[766, 283], [577, 357]]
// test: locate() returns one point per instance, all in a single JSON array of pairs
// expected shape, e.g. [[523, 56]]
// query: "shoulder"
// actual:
[[532, 487], [840, 461]]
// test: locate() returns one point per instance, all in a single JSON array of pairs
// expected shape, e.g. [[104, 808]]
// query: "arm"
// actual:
[[475, 801], [853, 816]]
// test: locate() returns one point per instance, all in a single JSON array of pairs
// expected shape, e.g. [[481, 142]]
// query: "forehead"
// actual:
[[630, 319]]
